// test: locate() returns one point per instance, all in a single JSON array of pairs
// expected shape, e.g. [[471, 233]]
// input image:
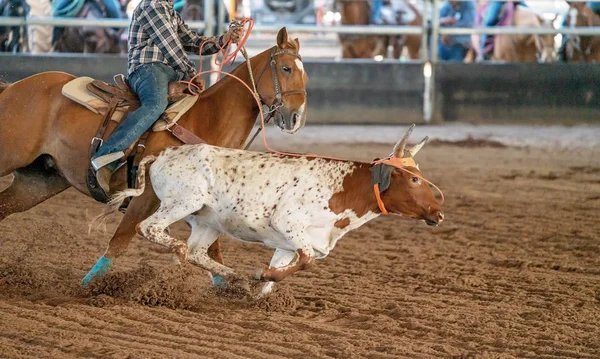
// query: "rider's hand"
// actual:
[[198, 81], [233, 34]]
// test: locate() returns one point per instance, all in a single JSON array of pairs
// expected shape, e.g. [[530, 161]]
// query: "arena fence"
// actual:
[[430, 37]]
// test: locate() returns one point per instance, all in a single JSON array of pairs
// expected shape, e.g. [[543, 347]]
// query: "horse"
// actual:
[[13, 38], [357, 12], [519, 48], [45, 146], [87, 39], [582, 48]]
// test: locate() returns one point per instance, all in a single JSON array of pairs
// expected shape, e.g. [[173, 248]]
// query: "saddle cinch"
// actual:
[[114, 102]]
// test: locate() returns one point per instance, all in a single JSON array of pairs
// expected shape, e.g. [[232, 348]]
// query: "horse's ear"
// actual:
[[282, 38], [297, 44]]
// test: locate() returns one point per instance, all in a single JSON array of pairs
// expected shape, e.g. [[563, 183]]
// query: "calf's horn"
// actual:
[[399, 147], [413, 151]]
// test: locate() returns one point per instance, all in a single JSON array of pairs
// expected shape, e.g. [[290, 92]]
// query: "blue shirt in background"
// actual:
[[465, 14]]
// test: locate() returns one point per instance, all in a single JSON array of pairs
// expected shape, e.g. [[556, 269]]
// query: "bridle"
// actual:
[[270, 109], [278, 100]]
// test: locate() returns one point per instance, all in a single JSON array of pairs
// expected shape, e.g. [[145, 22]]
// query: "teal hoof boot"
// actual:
[[219, 281], [98, 271]]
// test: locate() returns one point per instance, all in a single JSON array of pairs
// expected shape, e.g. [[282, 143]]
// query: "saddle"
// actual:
[[114, 102]]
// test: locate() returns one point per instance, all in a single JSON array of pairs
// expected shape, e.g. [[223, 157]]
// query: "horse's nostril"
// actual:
[[294, 118]]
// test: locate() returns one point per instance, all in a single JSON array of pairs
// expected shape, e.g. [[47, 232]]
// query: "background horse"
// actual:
[[13, 38], [518, 48], [358, 12], [88, 39], [583, 48], [46, 146], [194, 10]]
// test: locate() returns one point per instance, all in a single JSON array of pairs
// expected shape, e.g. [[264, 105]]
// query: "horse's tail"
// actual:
[[3, 86], [117, 200]]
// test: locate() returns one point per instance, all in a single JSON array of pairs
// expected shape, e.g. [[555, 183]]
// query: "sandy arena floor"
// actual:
[[513, 272]]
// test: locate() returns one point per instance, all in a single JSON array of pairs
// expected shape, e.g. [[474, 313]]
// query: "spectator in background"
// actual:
[[376, 12], [491, 17], [39, 37], [456, 14]]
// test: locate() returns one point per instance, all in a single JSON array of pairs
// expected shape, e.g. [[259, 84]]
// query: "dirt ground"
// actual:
[[513, 272]]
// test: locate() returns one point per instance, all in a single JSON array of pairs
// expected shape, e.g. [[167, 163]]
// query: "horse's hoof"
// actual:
[[98, 271], [219, 281]]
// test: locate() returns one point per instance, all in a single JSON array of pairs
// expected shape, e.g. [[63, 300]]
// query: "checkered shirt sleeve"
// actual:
[[168, 35]]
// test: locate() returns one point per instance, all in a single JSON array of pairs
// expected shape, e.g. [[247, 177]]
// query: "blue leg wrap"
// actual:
[[98, 271], [219, 281]]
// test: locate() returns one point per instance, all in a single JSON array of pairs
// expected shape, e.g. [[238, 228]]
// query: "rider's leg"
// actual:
[[490, 18], [150, 82]]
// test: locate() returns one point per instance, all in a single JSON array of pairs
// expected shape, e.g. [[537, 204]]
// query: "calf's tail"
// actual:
[[117, 200]]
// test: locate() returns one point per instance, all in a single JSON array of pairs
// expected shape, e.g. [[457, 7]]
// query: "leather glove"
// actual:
[[198, 81]]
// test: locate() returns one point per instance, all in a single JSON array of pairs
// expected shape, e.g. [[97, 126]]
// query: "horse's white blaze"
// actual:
[[299, 65], [300, 113]]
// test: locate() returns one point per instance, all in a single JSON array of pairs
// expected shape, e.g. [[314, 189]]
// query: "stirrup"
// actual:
[[102, 161]]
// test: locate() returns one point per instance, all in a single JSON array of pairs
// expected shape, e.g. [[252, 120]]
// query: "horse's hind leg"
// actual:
[[31, 186]]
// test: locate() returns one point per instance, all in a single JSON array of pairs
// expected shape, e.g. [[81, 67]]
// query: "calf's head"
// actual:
[[402, 188]]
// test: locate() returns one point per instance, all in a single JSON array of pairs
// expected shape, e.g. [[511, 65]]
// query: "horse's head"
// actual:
[[282, 84], [546, 48], [408, 193]]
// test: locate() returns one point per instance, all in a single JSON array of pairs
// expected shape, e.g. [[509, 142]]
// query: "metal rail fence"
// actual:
[[429, 56]]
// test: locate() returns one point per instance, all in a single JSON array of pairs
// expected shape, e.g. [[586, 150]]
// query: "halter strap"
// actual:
[[401, 164]]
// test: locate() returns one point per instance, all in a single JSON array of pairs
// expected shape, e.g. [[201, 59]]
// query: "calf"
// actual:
[[300, 206]]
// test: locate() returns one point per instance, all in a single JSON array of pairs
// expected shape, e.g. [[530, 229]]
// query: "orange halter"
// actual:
[[401, 164]]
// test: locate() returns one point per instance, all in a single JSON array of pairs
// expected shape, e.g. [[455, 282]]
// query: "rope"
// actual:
[[230, 58]]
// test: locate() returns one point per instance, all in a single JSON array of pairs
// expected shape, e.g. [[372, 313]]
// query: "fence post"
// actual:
[[430, 65], [221, 17]]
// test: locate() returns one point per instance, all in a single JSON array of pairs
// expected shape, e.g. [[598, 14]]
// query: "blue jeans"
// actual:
[[151, 83], [454, 52], [376, 11]]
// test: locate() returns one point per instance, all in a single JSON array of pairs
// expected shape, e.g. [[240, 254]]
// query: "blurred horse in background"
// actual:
[[516, 48], [89, 39], [582, 48], [358, 12], [13, 38]]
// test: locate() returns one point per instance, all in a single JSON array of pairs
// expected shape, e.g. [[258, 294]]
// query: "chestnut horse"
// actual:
[[358, 12], [583, 48], [45, 137], [520, 48]]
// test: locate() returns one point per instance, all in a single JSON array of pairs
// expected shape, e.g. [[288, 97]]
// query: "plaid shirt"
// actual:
[[158, 34]]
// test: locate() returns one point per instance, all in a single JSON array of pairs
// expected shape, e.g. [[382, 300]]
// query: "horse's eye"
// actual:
[[287, 69], [415, 179]]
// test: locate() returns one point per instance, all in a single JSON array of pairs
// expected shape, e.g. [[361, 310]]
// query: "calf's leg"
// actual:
[[153, 228], [281, 258], [201, 239]]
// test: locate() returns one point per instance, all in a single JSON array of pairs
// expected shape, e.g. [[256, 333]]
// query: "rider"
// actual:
[[491, 18], [158, 41], [458, 14]]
